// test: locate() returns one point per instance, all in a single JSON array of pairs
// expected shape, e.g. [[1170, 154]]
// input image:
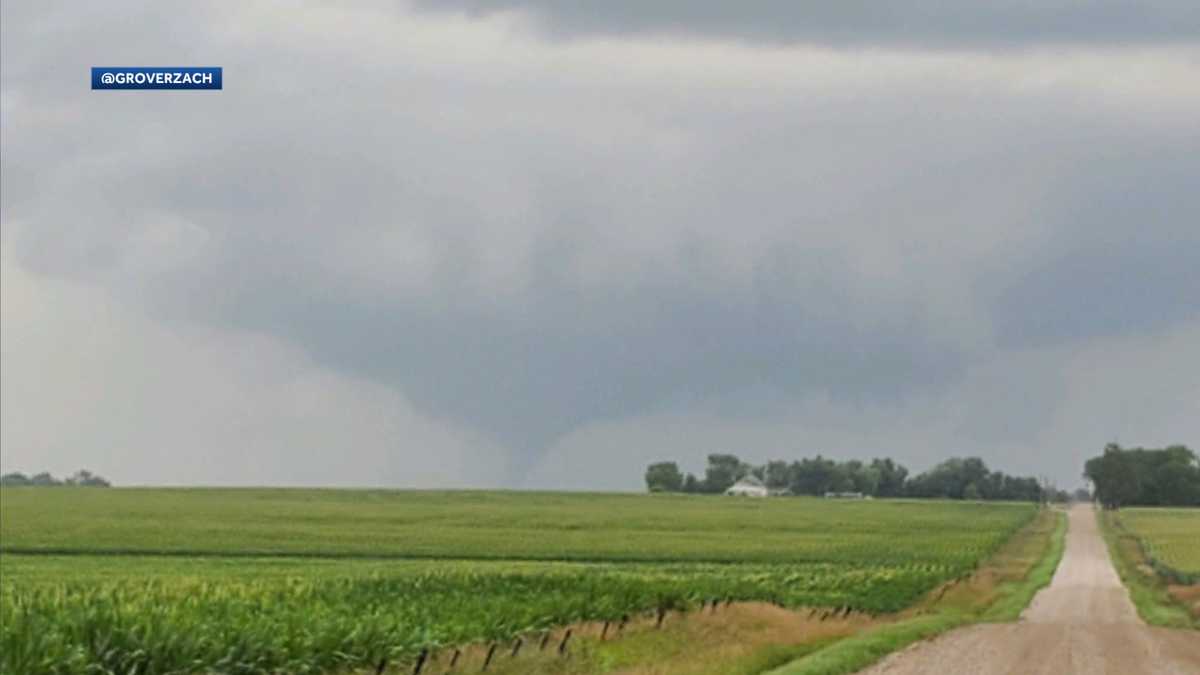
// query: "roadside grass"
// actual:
[[741, 639], [1150, 593], [999, 591]]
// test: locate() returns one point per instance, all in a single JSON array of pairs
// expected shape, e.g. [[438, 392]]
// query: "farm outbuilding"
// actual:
[[748, 487]]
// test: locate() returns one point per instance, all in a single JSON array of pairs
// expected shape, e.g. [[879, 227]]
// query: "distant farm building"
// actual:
[[748, 487], [845, 495]]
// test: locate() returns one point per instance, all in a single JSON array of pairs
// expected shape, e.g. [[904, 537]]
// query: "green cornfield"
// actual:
[[310, 581], [1170, 538]]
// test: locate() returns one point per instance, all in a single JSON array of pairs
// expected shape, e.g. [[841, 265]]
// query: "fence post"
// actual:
[[517, 647], [562, 646], [491, 652], [382, 665]]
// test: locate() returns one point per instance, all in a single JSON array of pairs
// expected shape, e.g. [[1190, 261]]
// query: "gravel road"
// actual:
[[1083, 622]]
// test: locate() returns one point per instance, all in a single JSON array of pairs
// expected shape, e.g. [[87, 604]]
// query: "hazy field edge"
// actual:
[[857, 652], [1147, 591]]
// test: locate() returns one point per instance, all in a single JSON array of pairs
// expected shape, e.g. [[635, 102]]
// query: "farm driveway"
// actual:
[[1083, 622]]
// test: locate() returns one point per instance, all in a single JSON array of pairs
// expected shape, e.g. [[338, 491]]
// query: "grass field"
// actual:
[[261, 581], [1169, 538]]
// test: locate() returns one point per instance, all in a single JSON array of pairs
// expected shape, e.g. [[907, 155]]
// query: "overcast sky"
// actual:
[[541, 244]]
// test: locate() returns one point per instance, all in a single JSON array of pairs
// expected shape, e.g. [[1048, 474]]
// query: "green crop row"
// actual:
[[315, 622]]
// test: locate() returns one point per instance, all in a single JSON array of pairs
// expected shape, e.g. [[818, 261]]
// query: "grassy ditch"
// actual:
[[1150, 592], [739, 639]]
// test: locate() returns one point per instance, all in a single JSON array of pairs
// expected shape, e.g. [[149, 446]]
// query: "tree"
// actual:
[[864, 479], [1175, 483], [942, 481], [1025, 489], [664, 477], [955, 478], [85, 478], [81, 478], [891, 477], [722, 472], [952, 478], [44, 479], [974, 472], [842, 479], [814, 476], [777, 475], [1145, 477], [1114, 476]]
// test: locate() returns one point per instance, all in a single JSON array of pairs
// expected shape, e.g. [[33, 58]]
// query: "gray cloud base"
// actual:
[[543, 245], [916, 23]]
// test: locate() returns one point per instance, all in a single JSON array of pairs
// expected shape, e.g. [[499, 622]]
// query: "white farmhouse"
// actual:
[[748, 487]]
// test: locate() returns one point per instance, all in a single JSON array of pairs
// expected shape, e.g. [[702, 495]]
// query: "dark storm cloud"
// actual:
[[1123, 256], [528, 239], [1096, 290], [864, 22], [573, 356]]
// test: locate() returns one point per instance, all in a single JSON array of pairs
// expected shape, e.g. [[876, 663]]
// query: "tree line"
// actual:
[[81, 478], [1145, 476], [957, 478]]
